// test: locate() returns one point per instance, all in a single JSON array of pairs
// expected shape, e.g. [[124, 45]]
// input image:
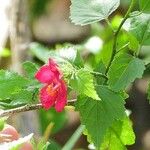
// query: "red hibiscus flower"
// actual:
[[54, 92]]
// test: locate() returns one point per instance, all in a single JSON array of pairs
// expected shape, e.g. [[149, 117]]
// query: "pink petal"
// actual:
[[54, 68], [47, 101], [61, 97], [45, 75]]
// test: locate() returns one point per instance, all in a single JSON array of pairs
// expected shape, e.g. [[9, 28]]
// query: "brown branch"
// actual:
[[13, 111], [4, 113]]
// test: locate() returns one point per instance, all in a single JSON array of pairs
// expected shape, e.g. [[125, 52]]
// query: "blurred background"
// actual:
[[47, 24]]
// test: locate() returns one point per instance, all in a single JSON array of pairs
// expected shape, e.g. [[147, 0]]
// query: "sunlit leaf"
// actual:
[[124, 70], [85, 12]]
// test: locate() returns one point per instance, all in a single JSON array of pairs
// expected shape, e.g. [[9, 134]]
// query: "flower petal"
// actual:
[[61, 97], [47, 101], [45, 75], [54, 68]]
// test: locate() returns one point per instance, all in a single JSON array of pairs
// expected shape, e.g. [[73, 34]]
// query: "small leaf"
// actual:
[[124, 70], [84, 84], [85, 12], [41, 52], [10, 82], [139, 26], [98, 116], [144, 6], [64, 57], [30, 69], [72, 55]]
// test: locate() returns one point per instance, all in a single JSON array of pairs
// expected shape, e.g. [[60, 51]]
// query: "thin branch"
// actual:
[[117, 33], [13, 111], [25, 108]]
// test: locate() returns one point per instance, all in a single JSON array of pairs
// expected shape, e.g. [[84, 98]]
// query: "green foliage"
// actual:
[[140, 28], [22, 97], [10, 83], [98, 116], [133, 42], [53, 146], [101, 69], [124, 70], [30, 69], [66, 55], [82, 81], [100, 88], [59, 120], [85, 12], [144, 6], [119, 135], [41, 52]]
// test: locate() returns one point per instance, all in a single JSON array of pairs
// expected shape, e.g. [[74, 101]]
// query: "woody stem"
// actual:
[[9, 112]]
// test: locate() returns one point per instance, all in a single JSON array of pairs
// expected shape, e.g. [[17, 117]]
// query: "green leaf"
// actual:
[[139, 26], [85, 12], [72, 55], [119, 135], [63, 55], [83, 83], [101, 69], [124, 70], [21, 97], [144, 6], [53, 146], [148, 91], [41, 52], [98, 116], [10, 82], [59, 120], [30, 69], [106, 52], [133, 42]]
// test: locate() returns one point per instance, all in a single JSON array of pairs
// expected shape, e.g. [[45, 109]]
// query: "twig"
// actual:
[[25, 108], [13, 111], [117, 33]]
